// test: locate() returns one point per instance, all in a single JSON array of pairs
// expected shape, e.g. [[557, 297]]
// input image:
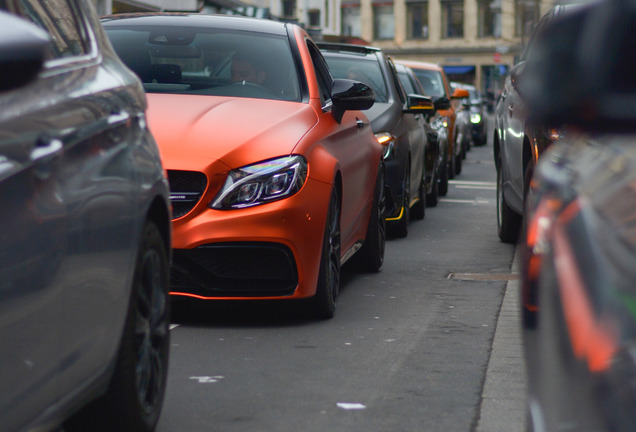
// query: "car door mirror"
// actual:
[[418, 104], [442, 104], [23, 48], [460, 93], [516, 75], [349, 95]]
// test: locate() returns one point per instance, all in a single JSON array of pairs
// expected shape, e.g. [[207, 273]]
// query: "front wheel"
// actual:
[[135, 395], [443, 179], [508, 222], [400, 228], [418, 211], [371, 255], [433, 197], [323, 304]]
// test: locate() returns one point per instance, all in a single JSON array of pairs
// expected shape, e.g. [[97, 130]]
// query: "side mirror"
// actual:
[[442, 104], [349, 95], [23, 48], [460, 93], [418, 104]]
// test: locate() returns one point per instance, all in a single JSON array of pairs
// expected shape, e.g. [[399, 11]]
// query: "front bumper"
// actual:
[[267, 251]]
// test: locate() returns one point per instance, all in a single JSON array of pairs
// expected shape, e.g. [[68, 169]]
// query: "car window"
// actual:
[[204, 61], [432, 82], [323, 75], [407, 84], [360, 69], [60, 20]]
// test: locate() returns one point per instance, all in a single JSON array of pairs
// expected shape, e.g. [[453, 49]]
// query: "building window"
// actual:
[[314, 17], [527, 15], [452, 19], [383, 22], [489, 14], [289, 8], [351, 20], [417, 20]]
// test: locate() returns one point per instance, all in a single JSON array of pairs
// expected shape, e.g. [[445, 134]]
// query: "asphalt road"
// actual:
[[430, 343]]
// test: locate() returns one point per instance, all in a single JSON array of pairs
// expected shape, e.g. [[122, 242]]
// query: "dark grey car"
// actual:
[[84, 229], [397, 121]]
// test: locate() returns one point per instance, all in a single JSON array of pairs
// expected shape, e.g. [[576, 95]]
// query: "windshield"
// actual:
[[205, 61], [432, 82], [366, 71]]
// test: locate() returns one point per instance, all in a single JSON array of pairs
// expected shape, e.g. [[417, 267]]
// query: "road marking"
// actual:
[[475, 183], [462, 201], [174, 326], [476, 187], [207, 379], [484, 276], [351, 406]]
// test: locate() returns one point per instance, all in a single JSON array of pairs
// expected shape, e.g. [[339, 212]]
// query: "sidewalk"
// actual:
[[504, 395]]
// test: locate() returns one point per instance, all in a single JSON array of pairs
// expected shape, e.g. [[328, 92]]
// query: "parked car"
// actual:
[[436, 135], [276, 177], [397, 121], [579, 248], [518, 141], [437, 86], [471, 119], [85, 233]]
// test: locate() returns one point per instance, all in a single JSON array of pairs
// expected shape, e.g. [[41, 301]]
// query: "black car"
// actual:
[[85, 233], [518, 141], [437, 138], [395, 118], [579, 248]]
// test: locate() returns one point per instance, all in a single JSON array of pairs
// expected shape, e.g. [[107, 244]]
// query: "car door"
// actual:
[[412, 132], [65, 189], [346, 141]]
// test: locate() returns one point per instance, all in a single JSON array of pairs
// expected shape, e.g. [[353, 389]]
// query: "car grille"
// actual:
[[186, 188], [241, 269]]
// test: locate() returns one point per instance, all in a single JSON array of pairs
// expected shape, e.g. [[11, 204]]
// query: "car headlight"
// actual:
[[475, 118], [445, 121], [388, 142], [262, 183]]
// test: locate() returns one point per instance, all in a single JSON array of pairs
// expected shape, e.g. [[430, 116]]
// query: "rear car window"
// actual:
[[366, 71]]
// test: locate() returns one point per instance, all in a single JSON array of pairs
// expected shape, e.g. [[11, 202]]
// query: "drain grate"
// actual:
[[484, 276]]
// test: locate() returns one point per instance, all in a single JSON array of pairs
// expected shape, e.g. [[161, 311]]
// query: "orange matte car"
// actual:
[[436, 84], [276, 177]]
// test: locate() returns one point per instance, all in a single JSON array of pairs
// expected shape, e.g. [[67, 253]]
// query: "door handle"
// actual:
[[360, 123]]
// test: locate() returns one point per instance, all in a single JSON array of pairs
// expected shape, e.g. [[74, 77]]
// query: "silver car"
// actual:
[[85, 234]]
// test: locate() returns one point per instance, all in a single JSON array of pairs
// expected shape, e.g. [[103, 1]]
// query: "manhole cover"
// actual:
[[484, 276]]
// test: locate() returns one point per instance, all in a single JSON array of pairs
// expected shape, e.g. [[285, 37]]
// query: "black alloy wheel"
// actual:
[[323, 304]]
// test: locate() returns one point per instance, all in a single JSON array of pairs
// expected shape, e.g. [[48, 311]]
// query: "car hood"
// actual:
[[195, 131], [383, 116]]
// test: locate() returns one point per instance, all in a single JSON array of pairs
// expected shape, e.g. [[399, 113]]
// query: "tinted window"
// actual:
[[431, 81], [363, 70], [204, 61]]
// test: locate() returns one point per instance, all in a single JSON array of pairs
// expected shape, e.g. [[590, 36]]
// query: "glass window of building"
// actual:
[[289, 8], [452, 19], [417, 20], [314, 17], [489, 15], [383, 21], [351, 20], [527, 15]]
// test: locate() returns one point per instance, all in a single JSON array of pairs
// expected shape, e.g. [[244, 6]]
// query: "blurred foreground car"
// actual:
[[436, 136], [518, 140], [437, 86], [397, 121], [84, 229], [579, 250], [276, 177]]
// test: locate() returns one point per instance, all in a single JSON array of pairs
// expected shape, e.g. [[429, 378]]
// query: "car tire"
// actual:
[[458, 164], [432, 198], [508, 222], [443, 179], [371, 255], [135, 394], [400, 228], [418, 211], [323, 304]]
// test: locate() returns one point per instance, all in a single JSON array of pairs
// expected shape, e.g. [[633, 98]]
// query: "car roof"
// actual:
[[343, 48], [419, 64], [167, 19]]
